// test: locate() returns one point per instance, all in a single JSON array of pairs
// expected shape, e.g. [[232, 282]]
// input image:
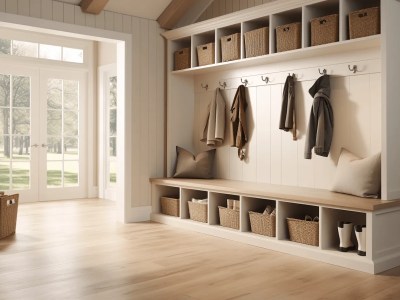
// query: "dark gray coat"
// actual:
[[320, 126]]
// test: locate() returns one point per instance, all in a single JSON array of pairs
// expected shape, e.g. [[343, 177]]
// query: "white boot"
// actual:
[[345, 229], [361, 235]]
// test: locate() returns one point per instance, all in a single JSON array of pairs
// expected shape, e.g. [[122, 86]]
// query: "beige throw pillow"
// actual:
[[189, 166], [356, 176]]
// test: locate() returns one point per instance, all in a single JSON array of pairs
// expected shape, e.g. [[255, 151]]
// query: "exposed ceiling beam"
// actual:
[[93, 6], [177, 10]]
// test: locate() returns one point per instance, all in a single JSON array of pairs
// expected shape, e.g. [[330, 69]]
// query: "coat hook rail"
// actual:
[[266, 79], [223, 84], [205, 86], [324, 72], [353, 69], [245, 82]]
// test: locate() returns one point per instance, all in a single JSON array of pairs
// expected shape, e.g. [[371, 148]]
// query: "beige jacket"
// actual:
[[214, 123]]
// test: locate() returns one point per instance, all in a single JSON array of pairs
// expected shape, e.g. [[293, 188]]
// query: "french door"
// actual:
[[42, 133]]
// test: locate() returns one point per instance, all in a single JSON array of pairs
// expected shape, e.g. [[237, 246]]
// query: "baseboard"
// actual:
[[138, 214], [93, 192], [394, 194], [387, 263]]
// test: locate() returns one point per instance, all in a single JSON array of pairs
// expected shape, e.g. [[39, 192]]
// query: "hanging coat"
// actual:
[[238, 130], [320, 126], [288, 112], [214, 124]]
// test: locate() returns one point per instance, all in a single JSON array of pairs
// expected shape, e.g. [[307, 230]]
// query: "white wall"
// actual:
[[107, 54], [272, 155], [222, 7], [148, 89]]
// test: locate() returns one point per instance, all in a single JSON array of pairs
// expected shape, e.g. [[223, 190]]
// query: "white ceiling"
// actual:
[[149, 9]]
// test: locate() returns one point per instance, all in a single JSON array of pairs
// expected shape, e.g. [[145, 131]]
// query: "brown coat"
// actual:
[[238, 130]]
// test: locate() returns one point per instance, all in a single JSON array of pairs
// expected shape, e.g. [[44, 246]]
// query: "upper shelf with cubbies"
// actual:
[[269, 33]]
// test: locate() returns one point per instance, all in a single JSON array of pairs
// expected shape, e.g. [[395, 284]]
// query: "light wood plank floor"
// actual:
[[76, 250]]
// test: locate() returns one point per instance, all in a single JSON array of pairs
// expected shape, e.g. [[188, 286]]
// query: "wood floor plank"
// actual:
[[76, 250]]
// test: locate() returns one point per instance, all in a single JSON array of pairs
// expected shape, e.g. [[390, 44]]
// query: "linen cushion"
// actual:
[[190, 166], [358, 176]]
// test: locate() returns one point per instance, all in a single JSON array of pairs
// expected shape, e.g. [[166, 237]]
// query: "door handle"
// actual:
[[44, 145]]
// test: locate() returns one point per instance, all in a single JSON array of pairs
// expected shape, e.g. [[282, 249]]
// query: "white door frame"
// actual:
[[124, 122]]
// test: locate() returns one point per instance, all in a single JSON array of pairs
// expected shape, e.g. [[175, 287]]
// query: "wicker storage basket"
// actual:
[[170, 206], [262, 224], [325, 30], [256, 42], [198, 211], [228, 217], [182, 59], [364, 22], [305, 232], [288, 37], [230, 47], [8, 214], [206, 54]]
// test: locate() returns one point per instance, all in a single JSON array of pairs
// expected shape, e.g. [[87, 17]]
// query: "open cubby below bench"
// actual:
[[381, 217]]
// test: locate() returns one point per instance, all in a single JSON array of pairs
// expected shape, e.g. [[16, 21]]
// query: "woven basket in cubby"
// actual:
[[8, 214], [228, 217], [325, 30], [264, 224], [198, 211], [288, 37], [182, 59], [206, 54], [304, 232], [230, 47], [256, 42], [364, 22], [170, 206]]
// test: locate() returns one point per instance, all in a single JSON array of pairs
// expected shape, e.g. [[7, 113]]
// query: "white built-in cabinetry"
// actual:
[[365, 105]]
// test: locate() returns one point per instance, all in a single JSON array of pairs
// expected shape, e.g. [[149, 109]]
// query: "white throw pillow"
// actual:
[[358, 176]]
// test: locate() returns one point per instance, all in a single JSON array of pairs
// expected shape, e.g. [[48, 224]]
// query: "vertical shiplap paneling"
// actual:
[[258, 2], [144, 107], [235, 5], [69, 13], [58, 11], [243, 4], [305, 170], [109, 20], [35, 8], [263, 134], [376, 113], [250, 3], [12, 6], [118, 26], [215, 9], [136, 149], [221, 7], [2, 5], [276, 135], [152, 133], [80, 18], [127, 24], [23, 7], [100, 20], [228, 7], [160, 98], [46, 8], [250, 162], [90, 20]]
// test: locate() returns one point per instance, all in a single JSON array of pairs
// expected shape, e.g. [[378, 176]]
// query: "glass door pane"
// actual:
[[112, 131]]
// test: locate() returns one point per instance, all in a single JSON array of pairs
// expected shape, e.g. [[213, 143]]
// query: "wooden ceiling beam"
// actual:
[[179, 9], [92, 6]]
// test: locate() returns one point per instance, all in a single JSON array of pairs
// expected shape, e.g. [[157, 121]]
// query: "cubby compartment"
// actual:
[[326, 16], [215, 200], [231, 37], [256, 205], [256, 37], [181, 53], [329, 230], [294, 211], [188, 195], [164, 191], [284, 18], [349, 6], [203, 49]]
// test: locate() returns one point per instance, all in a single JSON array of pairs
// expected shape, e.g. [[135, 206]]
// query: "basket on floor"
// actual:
[[325, 30], [8, 214], [256, 42], [206, 54], [304, 232], [182, 59], [288, 37], [170, 206], [230, 47], [263, 224], [198, 211], [364, 22], [228, 217]]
